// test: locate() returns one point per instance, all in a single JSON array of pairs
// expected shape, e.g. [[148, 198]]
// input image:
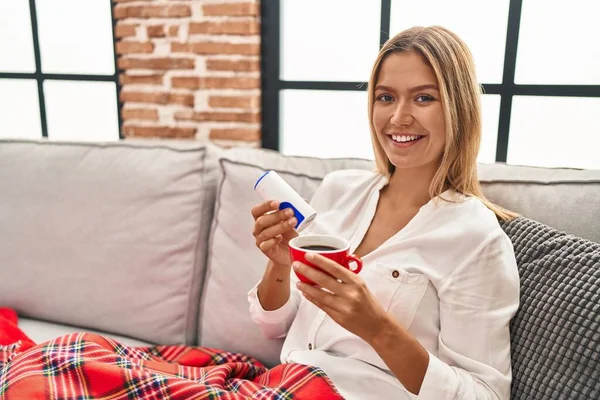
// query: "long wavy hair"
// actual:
[[453, 65]]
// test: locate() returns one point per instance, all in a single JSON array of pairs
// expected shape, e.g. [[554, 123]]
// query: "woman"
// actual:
[[429, 313]]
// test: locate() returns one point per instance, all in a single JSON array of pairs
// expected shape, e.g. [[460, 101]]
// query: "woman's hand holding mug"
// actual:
[[273, 229], [331, 247]]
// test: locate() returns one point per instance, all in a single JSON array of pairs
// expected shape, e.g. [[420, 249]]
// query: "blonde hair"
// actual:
[[453, 65]]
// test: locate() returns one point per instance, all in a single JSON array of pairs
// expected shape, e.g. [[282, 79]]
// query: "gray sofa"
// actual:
[[150, 242]]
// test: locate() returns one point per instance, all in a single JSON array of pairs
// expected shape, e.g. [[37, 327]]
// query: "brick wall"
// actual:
[[190, 69]]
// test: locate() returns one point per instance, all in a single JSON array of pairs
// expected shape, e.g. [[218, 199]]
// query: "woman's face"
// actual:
[[407, 113]]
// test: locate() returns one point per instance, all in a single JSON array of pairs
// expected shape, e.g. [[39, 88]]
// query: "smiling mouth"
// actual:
[[405, 139]]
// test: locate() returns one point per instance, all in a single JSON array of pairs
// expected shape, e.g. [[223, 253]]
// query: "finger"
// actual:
[[331, 267], [319, 297], [267, 245], [277, 230], [263, 208], [273, 218], [319, 277]]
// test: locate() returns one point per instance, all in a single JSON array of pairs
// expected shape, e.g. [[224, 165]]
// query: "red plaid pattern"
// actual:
[[85, 366]]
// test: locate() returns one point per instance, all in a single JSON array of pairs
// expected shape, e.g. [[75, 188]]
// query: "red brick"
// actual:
[[230, 83], [181, 99], [235, 134], [234, 101], [245, 27], [173, 30], [163, 11], [231, 9], [215, 83], [125, 79], [157, 63], [156, 31], [233, 65], [158, 98], [188, 82], [250, 49], [218, 116], [125, 30], [140, 113], [158, 131], [134, 47]]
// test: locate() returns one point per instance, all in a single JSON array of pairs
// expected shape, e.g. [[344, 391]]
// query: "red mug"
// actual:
[[332, 247]]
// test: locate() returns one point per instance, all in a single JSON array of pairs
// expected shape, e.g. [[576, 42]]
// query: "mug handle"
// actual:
[[357, 260]]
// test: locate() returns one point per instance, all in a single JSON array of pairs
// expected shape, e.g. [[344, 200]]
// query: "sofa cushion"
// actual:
[[566, 199], [42, 331], [555, 334], [235, 265], [107, 236]]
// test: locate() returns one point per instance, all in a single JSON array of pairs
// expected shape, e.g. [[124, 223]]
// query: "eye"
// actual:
[[425, 98], [385, 98]]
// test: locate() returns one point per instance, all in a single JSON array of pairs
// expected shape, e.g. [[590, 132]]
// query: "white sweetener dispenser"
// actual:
[[271, 186]]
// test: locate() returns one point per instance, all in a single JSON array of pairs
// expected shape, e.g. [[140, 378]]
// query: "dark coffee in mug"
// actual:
[[332, 247], [319, 248]]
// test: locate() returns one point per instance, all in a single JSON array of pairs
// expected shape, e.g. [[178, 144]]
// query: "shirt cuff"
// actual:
[[269, 317], [440, 381]]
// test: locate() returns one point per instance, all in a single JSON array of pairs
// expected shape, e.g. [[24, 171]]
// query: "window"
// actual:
[[541, 98], [57, 71]]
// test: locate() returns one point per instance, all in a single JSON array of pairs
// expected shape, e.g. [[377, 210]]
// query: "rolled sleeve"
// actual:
[[440, 382], [273, 324]]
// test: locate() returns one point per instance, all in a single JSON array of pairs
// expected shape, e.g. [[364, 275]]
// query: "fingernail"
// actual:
[[289, 213], [274, 204], [298, 285], [292, 221], [310, 256], [296, 264]]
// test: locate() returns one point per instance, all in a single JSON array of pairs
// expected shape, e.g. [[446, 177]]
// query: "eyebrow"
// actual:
[[414, 89]]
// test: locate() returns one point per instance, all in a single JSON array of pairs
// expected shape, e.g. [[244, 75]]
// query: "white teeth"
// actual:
[[404, 138]]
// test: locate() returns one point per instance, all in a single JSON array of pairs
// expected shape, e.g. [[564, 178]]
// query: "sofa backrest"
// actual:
[[107, 236], [565, 199], [561, 198]]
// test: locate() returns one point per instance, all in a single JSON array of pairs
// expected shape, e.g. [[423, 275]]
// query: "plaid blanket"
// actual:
[[89, 366]]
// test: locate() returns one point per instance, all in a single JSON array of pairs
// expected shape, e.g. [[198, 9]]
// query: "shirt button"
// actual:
[[310, 346], [395, 274]]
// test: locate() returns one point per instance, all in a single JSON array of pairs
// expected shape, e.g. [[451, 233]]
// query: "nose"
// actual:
[[402, 115]]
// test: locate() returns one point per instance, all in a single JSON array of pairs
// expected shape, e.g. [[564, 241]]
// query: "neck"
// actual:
[[409, 187]]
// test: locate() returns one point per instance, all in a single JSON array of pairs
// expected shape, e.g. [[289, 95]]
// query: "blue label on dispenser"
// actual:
[[297, 214], [260, 179]]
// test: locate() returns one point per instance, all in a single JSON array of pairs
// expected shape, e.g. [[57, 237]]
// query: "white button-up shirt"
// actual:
[[449, 277]]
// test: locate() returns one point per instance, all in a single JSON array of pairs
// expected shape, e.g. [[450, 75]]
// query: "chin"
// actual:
[[417, 166], [401, 162], [404, 166]]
